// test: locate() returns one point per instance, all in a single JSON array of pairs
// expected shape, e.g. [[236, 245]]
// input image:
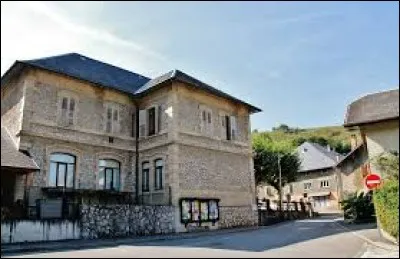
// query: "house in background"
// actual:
[[376, 116], [16, 170], [98, 131], [325, 176]]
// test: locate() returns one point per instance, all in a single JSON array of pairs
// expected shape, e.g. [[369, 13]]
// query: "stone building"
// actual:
[[325, 176], [376, 116], [95, 128]]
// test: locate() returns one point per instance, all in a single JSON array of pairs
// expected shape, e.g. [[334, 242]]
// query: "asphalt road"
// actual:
[[321, 237]]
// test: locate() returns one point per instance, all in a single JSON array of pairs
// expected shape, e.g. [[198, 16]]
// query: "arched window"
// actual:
[[109, 174], [158, 174], [62, 170]]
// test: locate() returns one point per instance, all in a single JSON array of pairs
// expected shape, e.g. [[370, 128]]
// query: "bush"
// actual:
[[386, 200], [359, 208]]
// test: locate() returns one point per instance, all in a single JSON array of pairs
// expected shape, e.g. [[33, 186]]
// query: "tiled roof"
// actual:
[[106, 75], [11, 157], [314, 157], [94, 71], [373, 108], [183, 77]]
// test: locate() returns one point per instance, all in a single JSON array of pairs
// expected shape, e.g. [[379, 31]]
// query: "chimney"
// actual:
[[353, 141]]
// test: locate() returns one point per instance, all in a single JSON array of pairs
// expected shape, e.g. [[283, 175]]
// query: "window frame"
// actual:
[[159, 177], [147, 172], [325, 184], [58, 163], [113, 169], [151, 131], [309, 184]]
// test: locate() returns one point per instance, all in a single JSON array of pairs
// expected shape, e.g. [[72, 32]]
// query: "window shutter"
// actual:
[[108, 120], [233, 127], [142, 123], [159, 117]]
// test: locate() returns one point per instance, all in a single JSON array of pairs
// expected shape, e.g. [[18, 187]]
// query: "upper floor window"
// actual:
[[145, 177], [229, 126], [151, 113], [149, 121], [62, 170], [324, 183], [67, 111], [206, 123], [307, 186], [158, 174], [112, 120], [109, 174]]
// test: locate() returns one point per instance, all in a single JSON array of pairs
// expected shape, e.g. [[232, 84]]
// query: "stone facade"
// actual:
[[238, 217], [125, 220], [197, 160]]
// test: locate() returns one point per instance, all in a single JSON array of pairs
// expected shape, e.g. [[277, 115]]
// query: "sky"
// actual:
[[302, 63]]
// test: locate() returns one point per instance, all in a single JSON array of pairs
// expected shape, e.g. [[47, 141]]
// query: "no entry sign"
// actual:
[[372, 181]]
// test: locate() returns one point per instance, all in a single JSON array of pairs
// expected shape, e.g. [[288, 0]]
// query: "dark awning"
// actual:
[[12, 158]]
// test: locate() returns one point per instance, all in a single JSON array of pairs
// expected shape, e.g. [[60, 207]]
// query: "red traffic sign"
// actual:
[[372, 181]]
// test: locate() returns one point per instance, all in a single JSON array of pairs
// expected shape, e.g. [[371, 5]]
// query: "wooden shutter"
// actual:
[[233, 127], [142, 123]]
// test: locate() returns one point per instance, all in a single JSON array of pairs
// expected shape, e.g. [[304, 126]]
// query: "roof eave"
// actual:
[[361, 123]]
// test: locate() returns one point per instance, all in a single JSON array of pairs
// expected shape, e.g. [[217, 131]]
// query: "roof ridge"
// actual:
[[86, 57]]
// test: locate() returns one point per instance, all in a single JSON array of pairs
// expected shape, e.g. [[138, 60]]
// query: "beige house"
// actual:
[[376, 116], [95, 128], [324, 177]]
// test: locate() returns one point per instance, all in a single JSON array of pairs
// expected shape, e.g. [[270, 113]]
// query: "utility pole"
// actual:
[[280, 183]]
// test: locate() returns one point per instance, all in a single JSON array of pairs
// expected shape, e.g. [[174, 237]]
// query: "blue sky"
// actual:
[[301, 62]]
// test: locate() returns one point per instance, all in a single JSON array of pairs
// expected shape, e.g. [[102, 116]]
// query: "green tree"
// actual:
[[266, 167]]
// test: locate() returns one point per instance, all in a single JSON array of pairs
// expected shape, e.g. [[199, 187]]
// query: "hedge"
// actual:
[[386, 200]]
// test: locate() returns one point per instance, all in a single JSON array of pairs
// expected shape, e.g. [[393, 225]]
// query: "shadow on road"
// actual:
[[258, 240]]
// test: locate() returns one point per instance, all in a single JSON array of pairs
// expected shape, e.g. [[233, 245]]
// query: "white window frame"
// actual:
[[307, 186], [324, 183], [207, 125]]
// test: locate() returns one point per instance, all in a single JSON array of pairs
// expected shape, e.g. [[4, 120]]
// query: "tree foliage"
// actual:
[[359, 208], [266, 154]]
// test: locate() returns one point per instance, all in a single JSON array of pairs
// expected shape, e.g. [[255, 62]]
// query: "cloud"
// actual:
[[36, 29]]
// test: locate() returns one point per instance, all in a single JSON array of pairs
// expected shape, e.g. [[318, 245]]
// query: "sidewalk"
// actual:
[[376, 246]]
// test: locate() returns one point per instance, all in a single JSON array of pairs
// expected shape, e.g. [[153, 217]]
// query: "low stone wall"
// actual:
[[109, 221], [37, 231], [231, 217]]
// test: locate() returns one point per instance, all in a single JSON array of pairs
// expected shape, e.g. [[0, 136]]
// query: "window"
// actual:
[[62, 170], [158, 175], [152, 121], [112, 120], [67, 111], [307, 186], [206, 123], [291, 188], [145, 177], [228, 127], [324, 183], [109, 174]]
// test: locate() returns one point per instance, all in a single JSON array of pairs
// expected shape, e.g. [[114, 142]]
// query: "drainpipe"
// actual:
[[136, 151]]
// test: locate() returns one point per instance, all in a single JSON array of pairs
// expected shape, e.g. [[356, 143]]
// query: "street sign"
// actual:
[[372, 181]]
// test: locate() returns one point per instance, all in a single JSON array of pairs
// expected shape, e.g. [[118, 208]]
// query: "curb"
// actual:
[[369, 241]]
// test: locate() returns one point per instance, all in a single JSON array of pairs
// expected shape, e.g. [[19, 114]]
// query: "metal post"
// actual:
[[280, 183]]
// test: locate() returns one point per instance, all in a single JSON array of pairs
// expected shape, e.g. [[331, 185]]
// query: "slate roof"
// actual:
[[314, 157], [373, 108], [11, 157], [84, 68]]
